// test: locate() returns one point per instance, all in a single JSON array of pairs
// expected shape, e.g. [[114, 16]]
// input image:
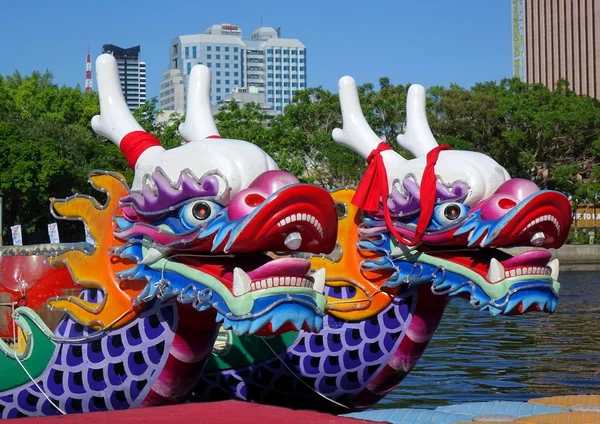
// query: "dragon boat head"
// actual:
[[200, 220], [478, 212]]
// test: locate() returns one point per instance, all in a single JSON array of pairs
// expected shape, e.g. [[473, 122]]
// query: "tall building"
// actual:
[[275, 66], [132, 72], [555, 39]]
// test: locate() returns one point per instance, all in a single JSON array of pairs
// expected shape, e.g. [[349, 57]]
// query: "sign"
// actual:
[[229, 28], [586, 216], [53, 233], [88, 237], [16, 235], [518, 36]]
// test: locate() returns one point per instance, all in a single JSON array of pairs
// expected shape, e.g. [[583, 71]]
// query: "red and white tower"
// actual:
[[88, 73]]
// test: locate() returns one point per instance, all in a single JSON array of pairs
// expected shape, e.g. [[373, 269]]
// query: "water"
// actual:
[[476, 357]]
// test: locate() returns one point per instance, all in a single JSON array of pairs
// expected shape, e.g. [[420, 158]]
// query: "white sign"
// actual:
[[88, 237], [53, 233], [16, 235]]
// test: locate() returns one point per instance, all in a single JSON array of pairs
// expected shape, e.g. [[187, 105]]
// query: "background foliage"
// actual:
[[47, 146]]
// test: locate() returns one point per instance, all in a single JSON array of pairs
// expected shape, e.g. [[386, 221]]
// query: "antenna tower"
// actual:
[[88, 72]]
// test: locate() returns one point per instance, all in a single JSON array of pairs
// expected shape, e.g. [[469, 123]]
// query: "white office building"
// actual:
[[132, 73], [275, 66]]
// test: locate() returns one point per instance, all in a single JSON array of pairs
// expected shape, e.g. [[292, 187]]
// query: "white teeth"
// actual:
[[153, 254], [542, 219], [241, 282], [554, 266], [287, 281], [276, 281], [302, 217], [319, 280], [496, 271], [293, 241], [538, 239]]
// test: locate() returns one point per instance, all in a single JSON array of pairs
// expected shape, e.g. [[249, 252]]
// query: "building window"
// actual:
[[236, 57], [277, 75], [226, 82], [269, 59], [286, 92], [218, 89], [294, 84], [236, 82], [219, 82], [286, 68], [226, 73], [208, 48], [209, 65], [270, 84], [286, 52], [278, 92], [235, 49], [227, 90], [294, 60], [278, 84], [270, 51], [235, 65], [209, 56], [293, 52], [226, 57], [189, 68], [218, 73], [277, 59], [302, 84], [301, 52], [270, 100], [218, 65], [278, 51], [286, 84], [218, 56], [301, 68], [279, 108], [227, 65], [286, 100], [286, 59], [301, 60], [269, 75], [278, 68], [278, 100], [194, 53], [187, 52], [302, 76], [218, 98], [236, 74], [294, 68], [226, 49], [270, 67], [270, 92], [218, 48]]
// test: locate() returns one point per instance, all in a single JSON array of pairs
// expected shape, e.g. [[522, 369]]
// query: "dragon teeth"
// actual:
[[554, 266], [319, 280], [496, 271], [302, 218], [241, 282]]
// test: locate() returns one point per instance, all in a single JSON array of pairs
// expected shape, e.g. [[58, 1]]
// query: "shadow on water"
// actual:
[[476, 357]]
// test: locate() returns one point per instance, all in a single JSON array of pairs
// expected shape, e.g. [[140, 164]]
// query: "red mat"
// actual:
[[227, 412]]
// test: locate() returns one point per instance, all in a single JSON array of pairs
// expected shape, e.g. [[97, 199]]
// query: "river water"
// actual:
[[476, 357]]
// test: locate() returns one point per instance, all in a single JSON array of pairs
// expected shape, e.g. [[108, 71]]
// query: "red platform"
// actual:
[[227, 412]]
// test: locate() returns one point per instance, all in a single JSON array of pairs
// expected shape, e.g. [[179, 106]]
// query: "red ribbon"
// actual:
[[135, 143], [374, 187]]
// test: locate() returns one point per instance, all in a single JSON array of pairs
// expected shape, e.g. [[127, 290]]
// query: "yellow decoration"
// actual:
[[97, 270], [369, 299]]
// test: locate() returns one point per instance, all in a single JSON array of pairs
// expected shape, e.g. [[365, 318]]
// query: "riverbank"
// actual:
[[573, 257]]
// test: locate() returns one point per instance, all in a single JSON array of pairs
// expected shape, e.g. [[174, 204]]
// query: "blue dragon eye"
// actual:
[[448, 213], [198, 213]]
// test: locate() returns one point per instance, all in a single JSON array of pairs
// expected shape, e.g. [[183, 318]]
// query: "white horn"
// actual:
[[418, 138], [115, 120], [199, 122], [356, 133]]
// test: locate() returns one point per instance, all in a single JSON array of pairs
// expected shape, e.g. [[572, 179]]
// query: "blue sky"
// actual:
[[430, 42]]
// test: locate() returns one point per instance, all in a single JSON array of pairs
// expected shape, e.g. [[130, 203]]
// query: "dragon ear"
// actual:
[[199, 123], [418, 138], [115, 121]]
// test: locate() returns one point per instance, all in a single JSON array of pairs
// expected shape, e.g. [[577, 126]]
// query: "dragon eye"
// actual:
[[197, 213], [452, 212], [201, 211]]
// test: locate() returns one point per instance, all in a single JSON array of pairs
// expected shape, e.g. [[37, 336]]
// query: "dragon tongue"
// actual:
[[531, 258]]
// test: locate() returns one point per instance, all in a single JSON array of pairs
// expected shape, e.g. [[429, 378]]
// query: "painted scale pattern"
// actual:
[[338, 362], [112, 372]]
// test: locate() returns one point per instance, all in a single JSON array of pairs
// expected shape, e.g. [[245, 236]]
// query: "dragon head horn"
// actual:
[[199, 122], [356, 133], [115, 121], [417, 138]]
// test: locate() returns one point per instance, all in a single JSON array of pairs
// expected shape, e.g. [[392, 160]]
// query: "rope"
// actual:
[[14, 327], [303, 382]]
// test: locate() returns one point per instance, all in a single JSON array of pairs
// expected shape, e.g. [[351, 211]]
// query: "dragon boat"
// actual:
[[176, 255], [428, 237]]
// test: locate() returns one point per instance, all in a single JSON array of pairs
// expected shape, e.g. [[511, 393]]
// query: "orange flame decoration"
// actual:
[[97, 269], [369, 299]]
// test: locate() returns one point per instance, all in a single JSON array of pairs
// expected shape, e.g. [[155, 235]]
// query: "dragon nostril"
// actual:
[[505, 203], [254, 199]]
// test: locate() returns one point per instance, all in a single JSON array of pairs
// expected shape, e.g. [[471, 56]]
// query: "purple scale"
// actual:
[[332, 365], [75, 383], [154, 356], [327, 386], [13, 413], [372, 352], [133, 336], [55, 389], [389, 342], [371, 330], [136, 368], [308, 368], [315, 347], [97, 385], [351, 360], [353, 337], [350, 381], [48, 409], [22, 401], [73, 360], [96, 404], [135, 388], [92, 356], [153, 333], [114, 346]]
